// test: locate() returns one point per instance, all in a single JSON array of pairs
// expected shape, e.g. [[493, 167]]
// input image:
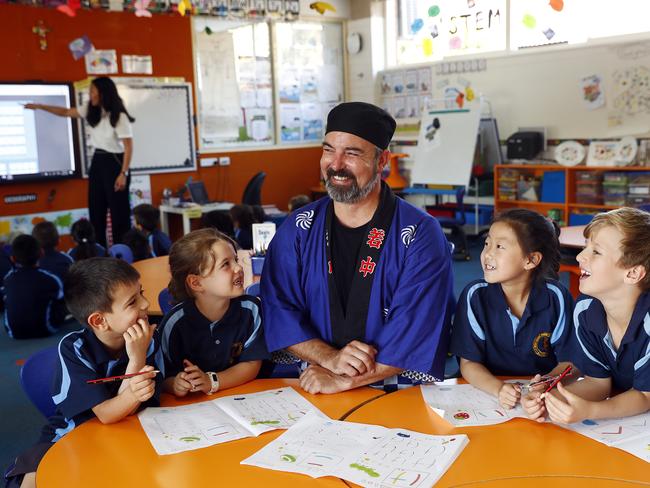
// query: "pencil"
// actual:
[[120, 377], [559, 378]]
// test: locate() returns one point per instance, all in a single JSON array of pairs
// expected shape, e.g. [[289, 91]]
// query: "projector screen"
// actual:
[[35, 144]]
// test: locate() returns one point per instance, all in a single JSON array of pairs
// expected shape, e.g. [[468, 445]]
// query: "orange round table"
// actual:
[[120, 455], [515, 454]]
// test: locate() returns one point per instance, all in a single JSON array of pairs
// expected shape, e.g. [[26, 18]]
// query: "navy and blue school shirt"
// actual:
[[100, 251], [33, 301], [593, 351], [159, 243], [213, 346], [83, 357], [56, 263], [486, 331]]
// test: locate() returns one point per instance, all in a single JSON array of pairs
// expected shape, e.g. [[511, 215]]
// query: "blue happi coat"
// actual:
[[411, 299]]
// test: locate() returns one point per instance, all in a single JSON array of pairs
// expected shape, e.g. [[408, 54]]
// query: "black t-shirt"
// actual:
[[346, 243]]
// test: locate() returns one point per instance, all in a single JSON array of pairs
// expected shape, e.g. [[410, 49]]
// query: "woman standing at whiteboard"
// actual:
[[111, 135]]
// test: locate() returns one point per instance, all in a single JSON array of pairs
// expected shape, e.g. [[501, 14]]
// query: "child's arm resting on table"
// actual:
[[480, 377], [574, 408], [532, 402], [194, 379], [138, 389]]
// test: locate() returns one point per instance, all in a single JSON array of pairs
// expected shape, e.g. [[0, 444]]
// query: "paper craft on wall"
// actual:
[[593, 93], [101, 62], [632, 90]]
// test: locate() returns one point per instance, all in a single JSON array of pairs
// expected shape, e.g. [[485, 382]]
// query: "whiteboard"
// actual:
[[446, 144], [163, 135]]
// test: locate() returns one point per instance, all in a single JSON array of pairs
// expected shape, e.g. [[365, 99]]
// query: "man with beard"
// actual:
[[358, 286]]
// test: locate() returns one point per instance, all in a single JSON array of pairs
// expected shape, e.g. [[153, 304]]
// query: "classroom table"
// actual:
[[572, 236], [120, 455], [188, 213], [516, 454], [154, 276]]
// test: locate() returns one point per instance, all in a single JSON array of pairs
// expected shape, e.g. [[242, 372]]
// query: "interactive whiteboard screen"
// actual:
[[35, 144]]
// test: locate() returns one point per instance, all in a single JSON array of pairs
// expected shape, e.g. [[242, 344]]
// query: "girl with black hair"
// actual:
[[112, 137], [83, 234], [516, 321]]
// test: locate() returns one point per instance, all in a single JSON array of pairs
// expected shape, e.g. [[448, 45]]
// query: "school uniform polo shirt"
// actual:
[[56, 263], [33, 301], [486, 331], [593, 351], [83, 357], [100, 251], [213, 346], [159, 243]]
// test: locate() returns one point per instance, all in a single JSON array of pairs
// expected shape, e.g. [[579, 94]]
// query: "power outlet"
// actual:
[[206, 162], [224, 161]]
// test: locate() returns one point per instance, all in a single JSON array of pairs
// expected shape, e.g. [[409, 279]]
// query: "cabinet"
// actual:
[[566, 208]]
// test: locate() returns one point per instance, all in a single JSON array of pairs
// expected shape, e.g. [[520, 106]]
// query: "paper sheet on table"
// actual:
[[369, 455], [631, 434], [187, 427], [465, 405]]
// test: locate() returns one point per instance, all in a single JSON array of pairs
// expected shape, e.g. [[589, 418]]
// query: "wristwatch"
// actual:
[[125, 173], [214, 382]]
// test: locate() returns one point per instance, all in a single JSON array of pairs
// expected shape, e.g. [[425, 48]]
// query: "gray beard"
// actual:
[[354, 193]]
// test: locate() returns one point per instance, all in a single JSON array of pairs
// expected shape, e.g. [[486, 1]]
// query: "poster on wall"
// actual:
[[140, 190], [134, 64], [101, 62], [593, 94], [23, 224]]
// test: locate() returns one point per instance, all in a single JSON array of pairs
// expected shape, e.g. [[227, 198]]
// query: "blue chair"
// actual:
[[253, 191], [253, 289], [165, 300], [36, 379], [121, 251], [455, 224]]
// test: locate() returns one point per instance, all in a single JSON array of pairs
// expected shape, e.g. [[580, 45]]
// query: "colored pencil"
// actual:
[[120, 377]]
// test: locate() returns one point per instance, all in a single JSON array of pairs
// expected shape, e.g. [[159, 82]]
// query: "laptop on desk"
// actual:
[[199, 195]]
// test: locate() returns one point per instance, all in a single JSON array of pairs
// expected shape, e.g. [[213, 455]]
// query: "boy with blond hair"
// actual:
[[611, 340]]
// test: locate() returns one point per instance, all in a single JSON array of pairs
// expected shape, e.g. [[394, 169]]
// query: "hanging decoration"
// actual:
[[287, 10], [322, 7], [41, 31]]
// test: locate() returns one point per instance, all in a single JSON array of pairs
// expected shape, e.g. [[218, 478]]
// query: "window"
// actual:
[[234, 70], [429, 31], [309, 78]]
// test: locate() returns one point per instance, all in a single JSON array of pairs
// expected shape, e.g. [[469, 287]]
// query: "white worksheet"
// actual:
[[465, 405], [631, 434], [369, 455], [187, 427]]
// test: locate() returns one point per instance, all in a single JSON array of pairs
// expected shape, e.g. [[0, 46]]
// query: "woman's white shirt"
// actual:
[[104, 135]]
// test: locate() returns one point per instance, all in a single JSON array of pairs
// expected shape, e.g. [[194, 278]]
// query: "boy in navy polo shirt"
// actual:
[[104, 294], [516, 321], [33, 297], [611, 339], [213, 338], [51, 260], [147, 220]]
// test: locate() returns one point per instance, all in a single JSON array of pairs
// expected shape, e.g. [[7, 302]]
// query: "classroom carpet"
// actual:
[[21, 422]]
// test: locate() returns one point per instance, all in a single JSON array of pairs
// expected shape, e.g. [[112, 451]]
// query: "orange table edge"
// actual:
[[518, 453], [120, 454]]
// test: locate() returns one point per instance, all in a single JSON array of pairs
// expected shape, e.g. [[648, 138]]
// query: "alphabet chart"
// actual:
[[176, 429], [631, 434], [369, 455], [465, 405]]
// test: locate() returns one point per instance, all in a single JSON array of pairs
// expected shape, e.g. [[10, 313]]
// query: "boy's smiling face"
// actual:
[[129, 305], [600, 271]]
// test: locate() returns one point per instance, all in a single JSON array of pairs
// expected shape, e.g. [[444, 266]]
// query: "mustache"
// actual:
[[342, 173]]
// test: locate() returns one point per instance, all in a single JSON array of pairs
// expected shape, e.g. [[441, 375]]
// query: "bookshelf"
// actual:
[[569, 207]]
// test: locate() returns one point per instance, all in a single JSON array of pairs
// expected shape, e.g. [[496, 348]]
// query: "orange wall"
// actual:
[[168, 39]]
